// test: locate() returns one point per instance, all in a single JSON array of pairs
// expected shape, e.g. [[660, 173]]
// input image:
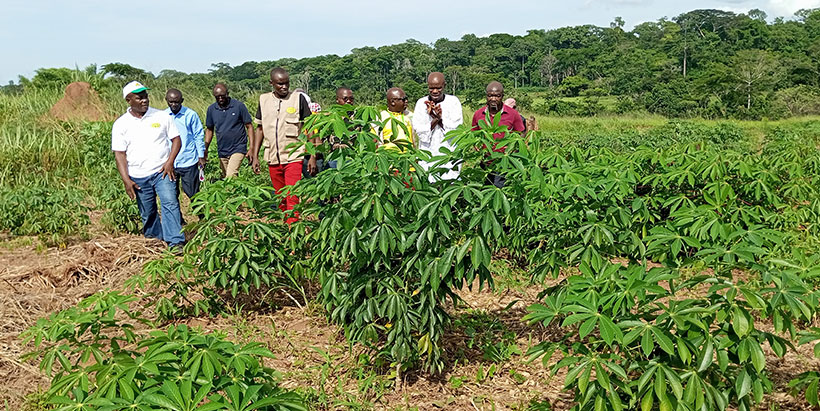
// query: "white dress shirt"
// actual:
[[434, 140]]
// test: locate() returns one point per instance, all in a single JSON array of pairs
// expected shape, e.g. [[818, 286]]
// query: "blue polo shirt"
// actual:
[[229, 124], [191, 135]]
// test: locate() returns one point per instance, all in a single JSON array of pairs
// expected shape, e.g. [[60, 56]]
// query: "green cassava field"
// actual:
[[633, 263]]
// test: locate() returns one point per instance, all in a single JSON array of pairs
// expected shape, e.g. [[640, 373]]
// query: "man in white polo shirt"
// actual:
[[145, 142]]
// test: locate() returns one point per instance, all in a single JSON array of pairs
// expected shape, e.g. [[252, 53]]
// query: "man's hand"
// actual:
[[311, 166], [168, 170], [130, 187], [431, 107], [255, 164], [203, 161]]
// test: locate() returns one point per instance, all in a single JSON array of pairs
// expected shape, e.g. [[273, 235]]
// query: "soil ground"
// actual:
[[310, 353]]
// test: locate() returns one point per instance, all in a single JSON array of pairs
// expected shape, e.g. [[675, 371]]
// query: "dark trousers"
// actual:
[[319, 165], [496, 179], [188, 178]]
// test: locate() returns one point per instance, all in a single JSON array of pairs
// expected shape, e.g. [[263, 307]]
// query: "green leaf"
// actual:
[[646, 343], [587, 326], [707, 356], [740, 323], [811, 393], [609, 331], [758, 359], [743, 384], [683, 351], [664, 341], [647, 401]]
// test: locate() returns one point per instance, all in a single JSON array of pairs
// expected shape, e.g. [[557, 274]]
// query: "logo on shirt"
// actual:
[[155, 125], [291, 110]]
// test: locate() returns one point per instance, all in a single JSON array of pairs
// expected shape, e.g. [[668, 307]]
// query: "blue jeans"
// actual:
[[169, 228]]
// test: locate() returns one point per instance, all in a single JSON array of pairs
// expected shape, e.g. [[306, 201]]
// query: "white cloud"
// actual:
[[786, 8]]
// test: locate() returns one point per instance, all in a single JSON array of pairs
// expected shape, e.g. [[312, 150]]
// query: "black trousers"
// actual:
[[188, 178]]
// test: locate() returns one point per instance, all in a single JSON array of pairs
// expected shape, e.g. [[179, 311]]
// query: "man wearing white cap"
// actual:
[[146, 142]]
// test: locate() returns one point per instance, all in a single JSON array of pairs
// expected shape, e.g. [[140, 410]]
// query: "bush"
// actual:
[[240, 250], [102, 363], [643, 343], [801, 100], [396, 246], [54, 213]]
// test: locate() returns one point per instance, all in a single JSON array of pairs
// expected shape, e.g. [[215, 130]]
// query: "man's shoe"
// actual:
[[176, 249]]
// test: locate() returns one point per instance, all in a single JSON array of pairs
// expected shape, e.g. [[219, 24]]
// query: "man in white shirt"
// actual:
[[146, 142], [434, 116]]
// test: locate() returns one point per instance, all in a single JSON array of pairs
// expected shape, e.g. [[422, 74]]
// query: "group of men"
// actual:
[[159, 151]]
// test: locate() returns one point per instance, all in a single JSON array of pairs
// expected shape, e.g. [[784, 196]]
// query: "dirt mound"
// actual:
[[80, 103]]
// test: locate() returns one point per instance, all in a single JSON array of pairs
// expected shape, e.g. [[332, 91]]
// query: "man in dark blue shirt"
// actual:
[[232, 122]]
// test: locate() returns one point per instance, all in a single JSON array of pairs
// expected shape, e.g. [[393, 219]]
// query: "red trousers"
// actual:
[[282, 175]]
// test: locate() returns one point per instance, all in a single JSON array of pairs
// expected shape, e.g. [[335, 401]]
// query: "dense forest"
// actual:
[[703, 63]]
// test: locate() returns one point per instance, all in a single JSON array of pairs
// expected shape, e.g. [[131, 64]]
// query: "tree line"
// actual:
[[703, 63]]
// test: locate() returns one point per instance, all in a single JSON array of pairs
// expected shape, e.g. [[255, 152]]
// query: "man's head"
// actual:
[[136, 95], [174, 99], [495, 95], [435, 86], [396, 100], [138, 102], [510, 102], [280, 80], [344, 95], [221, 95]]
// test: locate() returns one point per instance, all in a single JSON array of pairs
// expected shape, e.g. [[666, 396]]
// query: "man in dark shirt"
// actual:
[[509, 117], [232, 122]]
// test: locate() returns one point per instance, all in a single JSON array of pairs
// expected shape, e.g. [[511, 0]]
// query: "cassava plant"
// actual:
[[98, 361], [391, 241], [241, 249], [636, 340]]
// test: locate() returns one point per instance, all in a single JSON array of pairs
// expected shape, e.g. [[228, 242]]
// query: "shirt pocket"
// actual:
[[291, 129]]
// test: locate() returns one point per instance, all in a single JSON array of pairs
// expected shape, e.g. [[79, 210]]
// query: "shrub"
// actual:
[[103, 363]]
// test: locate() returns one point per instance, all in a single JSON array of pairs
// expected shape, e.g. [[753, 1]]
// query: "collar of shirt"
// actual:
[[148, 112], [273, 93], [404, 114], [178, 114], [230, 105], [487, 110]]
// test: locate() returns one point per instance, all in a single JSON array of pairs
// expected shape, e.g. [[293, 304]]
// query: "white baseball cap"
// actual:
[[133, 87]]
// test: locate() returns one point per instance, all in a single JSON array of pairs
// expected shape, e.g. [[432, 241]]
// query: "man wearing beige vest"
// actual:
[[279, 122]]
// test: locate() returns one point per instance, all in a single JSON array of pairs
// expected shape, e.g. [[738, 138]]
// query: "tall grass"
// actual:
[[38, 152], [72, 162]]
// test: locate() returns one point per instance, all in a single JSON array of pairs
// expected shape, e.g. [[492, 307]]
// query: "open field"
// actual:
[[633, 262]]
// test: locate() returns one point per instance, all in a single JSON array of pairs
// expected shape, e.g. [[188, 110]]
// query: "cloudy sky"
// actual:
[[189, 36]]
